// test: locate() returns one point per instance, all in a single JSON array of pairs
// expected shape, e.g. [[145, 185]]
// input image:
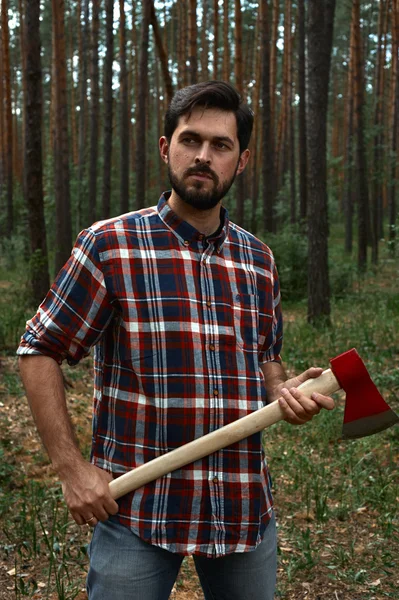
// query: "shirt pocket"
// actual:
[[245, 311]]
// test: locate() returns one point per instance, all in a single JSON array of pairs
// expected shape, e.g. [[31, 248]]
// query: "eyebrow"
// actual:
[[218, 138]]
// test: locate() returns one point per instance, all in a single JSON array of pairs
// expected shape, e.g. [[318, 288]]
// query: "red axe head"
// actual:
[[366, 412]]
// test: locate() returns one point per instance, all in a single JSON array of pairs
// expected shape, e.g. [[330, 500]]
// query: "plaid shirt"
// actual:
[[180, 325]]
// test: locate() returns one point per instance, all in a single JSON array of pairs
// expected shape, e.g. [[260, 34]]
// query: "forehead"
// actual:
[[210, 121]]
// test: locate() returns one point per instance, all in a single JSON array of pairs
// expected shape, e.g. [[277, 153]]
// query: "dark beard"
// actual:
[[196, 196]]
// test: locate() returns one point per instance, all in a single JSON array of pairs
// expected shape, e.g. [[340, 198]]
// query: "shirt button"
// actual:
[[186, 243], [215, 393], [215, 480], [212, 347], [209, 304]]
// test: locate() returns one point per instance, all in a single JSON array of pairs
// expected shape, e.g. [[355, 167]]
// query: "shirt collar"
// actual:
[[186, 233]]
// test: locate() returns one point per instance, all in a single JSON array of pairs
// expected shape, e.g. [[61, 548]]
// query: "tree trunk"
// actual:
[[192, 34], [74, 138], [163, 57], [226, 45], [394, 125], [23, 65], [108, 110], [205, 42], [124, 113], [94, 112], [240, 182], [82, 125], [141, 164], [291, 143], [378, 135], [320, 32], [33, 171], [349, 172], [216, 38], [256, 141], [8, 118], [267, 140], [135, 87], [2, 137], [303, 187], [61, 146], [361, 160], [273, 67]]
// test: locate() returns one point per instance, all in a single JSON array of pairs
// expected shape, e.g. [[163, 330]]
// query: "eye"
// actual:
[[189, 141], [221, 146]]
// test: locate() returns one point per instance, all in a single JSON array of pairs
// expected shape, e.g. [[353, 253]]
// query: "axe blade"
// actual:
[[366, 411]]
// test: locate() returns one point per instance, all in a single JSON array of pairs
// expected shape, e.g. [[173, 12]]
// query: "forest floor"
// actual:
[[337, 502]]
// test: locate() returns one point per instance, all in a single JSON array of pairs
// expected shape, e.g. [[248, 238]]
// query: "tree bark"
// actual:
[[94, 111], [82, 125], [394, 125], [361, 159], [33, 171], [205, 42], [273, 67], [226, 45], [163, 57], [108, 110], [320, 32], [2, 137], [238, 70], [192, 34], [61, 145], [8, 118], [267, 140], [378, 135], [349, 172], [141, 163], [23, 65], [216, 38], [303, 187], [124, 112]]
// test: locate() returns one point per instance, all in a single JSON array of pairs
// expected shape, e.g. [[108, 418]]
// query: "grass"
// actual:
[[337, 501]]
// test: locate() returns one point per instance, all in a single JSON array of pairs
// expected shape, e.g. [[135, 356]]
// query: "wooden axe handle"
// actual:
[[220, 438]]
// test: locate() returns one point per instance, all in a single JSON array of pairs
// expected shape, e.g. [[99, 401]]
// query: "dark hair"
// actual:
[[210, 94]]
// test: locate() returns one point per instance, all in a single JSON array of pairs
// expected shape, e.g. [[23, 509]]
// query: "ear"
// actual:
[[164, 149], [242, 163]]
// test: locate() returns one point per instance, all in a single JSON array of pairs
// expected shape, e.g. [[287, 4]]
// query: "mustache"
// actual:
[[202, 170]]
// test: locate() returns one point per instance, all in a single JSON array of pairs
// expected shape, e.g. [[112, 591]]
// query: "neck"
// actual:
[[204, 221]]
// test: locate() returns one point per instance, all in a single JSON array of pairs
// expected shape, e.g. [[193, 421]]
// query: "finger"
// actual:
[[310, 373], [92, 522], [289, 414], [323, 401], [111, 506], [302, 406]]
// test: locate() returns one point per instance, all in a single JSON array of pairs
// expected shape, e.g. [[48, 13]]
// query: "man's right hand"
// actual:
[[87, 495]]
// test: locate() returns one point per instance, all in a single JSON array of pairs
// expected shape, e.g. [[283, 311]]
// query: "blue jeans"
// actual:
[[123, 567]]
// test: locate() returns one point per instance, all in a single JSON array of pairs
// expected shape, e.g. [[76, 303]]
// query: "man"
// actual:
[[183, 308]]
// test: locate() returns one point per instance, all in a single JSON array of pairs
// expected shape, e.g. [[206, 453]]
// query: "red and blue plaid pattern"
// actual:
[[180, 324]]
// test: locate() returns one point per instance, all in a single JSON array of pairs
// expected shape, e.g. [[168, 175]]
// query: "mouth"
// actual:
[[200, 176]]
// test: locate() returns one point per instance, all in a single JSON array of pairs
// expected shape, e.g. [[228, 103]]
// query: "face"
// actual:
[[204, 157]]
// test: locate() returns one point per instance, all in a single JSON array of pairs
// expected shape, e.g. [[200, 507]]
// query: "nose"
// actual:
[[203, 154]]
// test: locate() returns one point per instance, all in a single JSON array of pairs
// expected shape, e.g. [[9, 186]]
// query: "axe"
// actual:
[[366, 412]]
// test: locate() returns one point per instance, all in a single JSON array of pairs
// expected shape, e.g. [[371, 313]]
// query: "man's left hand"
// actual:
[[296, 406]]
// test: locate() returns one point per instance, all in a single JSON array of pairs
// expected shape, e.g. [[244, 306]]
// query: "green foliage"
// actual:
[[290, 250], [40, 529]]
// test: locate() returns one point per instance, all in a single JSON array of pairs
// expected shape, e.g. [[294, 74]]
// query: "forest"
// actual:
[[84, 86]]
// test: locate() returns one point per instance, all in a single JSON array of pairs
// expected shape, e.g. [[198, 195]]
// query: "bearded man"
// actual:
[[182, 307]]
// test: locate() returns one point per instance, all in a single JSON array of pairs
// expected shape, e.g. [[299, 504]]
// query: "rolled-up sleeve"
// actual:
[[76, 310], [271, 348]]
